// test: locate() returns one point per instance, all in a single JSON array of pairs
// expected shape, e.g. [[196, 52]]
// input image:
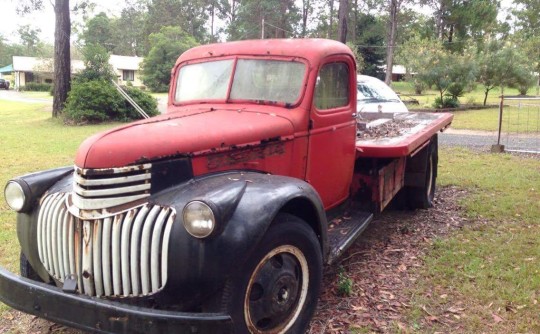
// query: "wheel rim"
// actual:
[[429, 187], [276, 291]]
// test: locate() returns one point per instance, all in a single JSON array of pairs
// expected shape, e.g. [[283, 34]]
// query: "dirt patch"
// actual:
[[381, 265]]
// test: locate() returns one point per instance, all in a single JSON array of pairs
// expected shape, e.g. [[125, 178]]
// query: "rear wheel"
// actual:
[[422, 197], [276, 290]]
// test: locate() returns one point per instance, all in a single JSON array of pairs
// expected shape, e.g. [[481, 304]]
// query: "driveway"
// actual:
[[13, 95], [484, 139]]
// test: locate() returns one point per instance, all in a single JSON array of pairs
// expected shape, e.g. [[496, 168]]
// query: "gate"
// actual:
[[519, 125]]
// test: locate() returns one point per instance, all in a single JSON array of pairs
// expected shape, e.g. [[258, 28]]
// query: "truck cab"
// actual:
[[214, 217]]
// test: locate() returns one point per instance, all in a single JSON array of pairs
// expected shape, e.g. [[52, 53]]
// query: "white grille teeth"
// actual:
[[124, 254], [104, 188]]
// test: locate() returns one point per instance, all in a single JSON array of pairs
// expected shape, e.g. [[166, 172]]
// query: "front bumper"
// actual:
[[102, 316]]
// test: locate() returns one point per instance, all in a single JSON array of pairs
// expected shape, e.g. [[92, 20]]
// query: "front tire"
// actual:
[[277, 289]]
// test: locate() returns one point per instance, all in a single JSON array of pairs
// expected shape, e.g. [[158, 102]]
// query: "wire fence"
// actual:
[[519, 124]]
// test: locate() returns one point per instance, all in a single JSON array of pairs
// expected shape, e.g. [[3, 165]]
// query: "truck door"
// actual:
[[332, 133]]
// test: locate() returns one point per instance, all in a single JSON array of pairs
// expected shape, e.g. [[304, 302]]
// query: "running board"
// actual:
[[344, 230]]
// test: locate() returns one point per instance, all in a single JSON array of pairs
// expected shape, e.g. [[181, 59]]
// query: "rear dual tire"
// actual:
[[422, 197]]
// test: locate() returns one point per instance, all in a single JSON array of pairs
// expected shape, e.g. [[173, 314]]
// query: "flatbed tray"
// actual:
[[400, 136]]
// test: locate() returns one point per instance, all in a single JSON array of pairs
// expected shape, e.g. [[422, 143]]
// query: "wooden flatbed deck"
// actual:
[[413, 130]]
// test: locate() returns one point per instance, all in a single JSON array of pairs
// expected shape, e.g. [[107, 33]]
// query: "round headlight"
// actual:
[[199, 219], [14, 194]]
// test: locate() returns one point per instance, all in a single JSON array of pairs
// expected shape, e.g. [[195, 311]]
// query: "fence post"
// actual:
[[498, 148]]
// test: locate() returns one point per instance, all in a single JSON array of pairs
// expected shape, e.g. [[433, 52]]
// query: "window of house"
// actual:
[[332, 87], [128, 75]]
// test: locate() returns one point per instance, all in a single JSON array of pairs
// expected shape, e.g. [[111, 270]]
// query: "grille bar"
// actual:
[[121, 255], [104, 188]]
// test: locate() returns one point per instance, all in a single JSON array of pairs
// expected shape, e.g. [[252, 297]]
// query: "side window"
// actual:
[[332, 87]]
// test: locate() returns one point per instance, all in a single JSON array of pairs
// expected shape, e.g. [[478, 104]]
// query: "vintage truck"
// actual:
[[218, 216]]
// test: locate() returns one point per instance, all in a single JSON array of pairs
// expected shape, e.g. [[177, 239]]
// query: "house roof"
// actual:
[[125, 62], [34, 64], [7, 69]]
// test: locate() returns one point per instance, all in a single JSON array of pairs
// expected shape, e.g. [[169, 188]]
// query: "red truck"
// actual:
[[216, 216]]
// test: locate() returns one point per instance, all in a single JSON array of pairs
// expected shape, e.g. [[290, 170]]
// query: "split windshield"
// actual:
[[259, 80]]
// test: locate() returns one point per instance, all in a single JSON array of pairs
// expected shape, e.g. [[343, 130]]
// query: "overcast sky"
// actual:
[[44, 20]]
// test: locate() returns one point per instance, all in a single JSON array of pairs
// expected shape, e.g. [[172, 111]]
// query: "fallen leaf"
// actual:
[[496, 318], [443, 296]]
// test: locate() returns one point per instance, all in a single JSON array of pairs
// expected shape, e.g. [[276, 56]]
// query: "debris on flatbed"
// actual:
[[387, 129]]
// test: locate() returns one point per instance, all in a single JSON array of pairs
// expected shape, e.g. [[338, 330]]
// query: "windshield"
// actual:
[[260, 80], [375, 90]]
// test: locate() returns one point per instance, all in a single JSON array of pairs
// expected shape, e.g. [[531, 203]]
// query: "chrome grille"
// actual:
[[105, 188], [120, 255]]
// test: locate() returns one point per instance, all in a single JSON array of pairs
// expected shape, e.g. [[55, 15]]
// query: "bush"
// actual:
[[447, 102], [37, 87], [98, 101], [143, 99]]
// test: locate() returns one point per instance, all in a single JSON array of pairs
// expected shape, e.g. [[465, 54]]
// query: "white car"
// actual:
[[373, 95]]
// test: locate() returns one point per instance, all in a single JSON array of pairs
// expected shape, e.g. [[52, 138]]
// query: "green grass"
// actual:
[[492, 266], [38, 95], [31, 141]]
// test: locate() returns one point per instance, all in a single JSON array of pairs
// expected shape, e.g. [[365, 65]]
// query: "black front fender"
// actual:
[[255, 199]]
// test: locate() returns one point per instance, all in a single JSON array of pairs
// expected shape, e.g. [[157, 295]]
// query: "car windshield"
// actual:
[[375, 91], [260, 80]]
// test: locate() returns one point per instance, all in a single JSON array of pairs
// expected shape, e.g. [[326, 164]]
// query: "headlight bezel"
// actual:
[[190, 223], [24, 191]]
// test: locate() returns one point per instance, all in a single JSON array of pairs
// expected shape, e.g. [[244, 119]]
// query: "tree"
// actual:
[[393, 11], [527, 23], [29, 38], [342, 20], [501, 64], [166, 47], [458, 22], [370, 43], [265, 18], [190, 16], [62, 56], [100, 31], [62, 59]]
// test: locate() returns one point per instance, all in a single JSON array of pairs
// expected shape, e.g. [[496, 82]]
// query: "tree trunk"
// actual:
[[485, 96], [331, 20], [62, 58], [306, 6], [392, 27], [342, 24]]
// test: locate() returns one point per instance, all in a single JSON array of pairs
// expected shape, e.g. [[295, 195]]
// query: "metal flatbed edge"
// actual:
[[409, 141]]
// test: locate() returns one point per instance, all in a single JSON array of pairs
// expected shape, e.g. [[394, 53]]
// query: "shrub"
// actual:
[[98, 101], [446, 102], [143, 99], [37, 87]]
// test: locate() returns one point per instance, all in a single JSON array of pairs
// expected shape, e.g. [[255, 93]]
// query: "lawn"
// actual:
[[490, 268], [31, 141]]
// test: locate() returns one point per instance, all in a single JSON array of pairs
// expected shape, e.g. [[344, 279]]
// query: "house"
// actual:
[[127, 69], [40, 70]]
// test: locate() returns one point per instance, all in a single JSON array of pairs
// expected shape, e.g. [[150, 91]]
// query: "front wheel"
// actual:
[[276, 290]]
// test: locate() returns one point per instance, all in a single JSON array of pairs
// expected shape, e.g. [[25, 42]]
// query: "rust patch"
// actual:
[[245, 155]]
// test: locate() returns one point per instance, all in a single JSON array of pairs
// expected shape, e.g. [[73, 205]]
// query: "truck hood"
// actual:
[[180, 134]]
